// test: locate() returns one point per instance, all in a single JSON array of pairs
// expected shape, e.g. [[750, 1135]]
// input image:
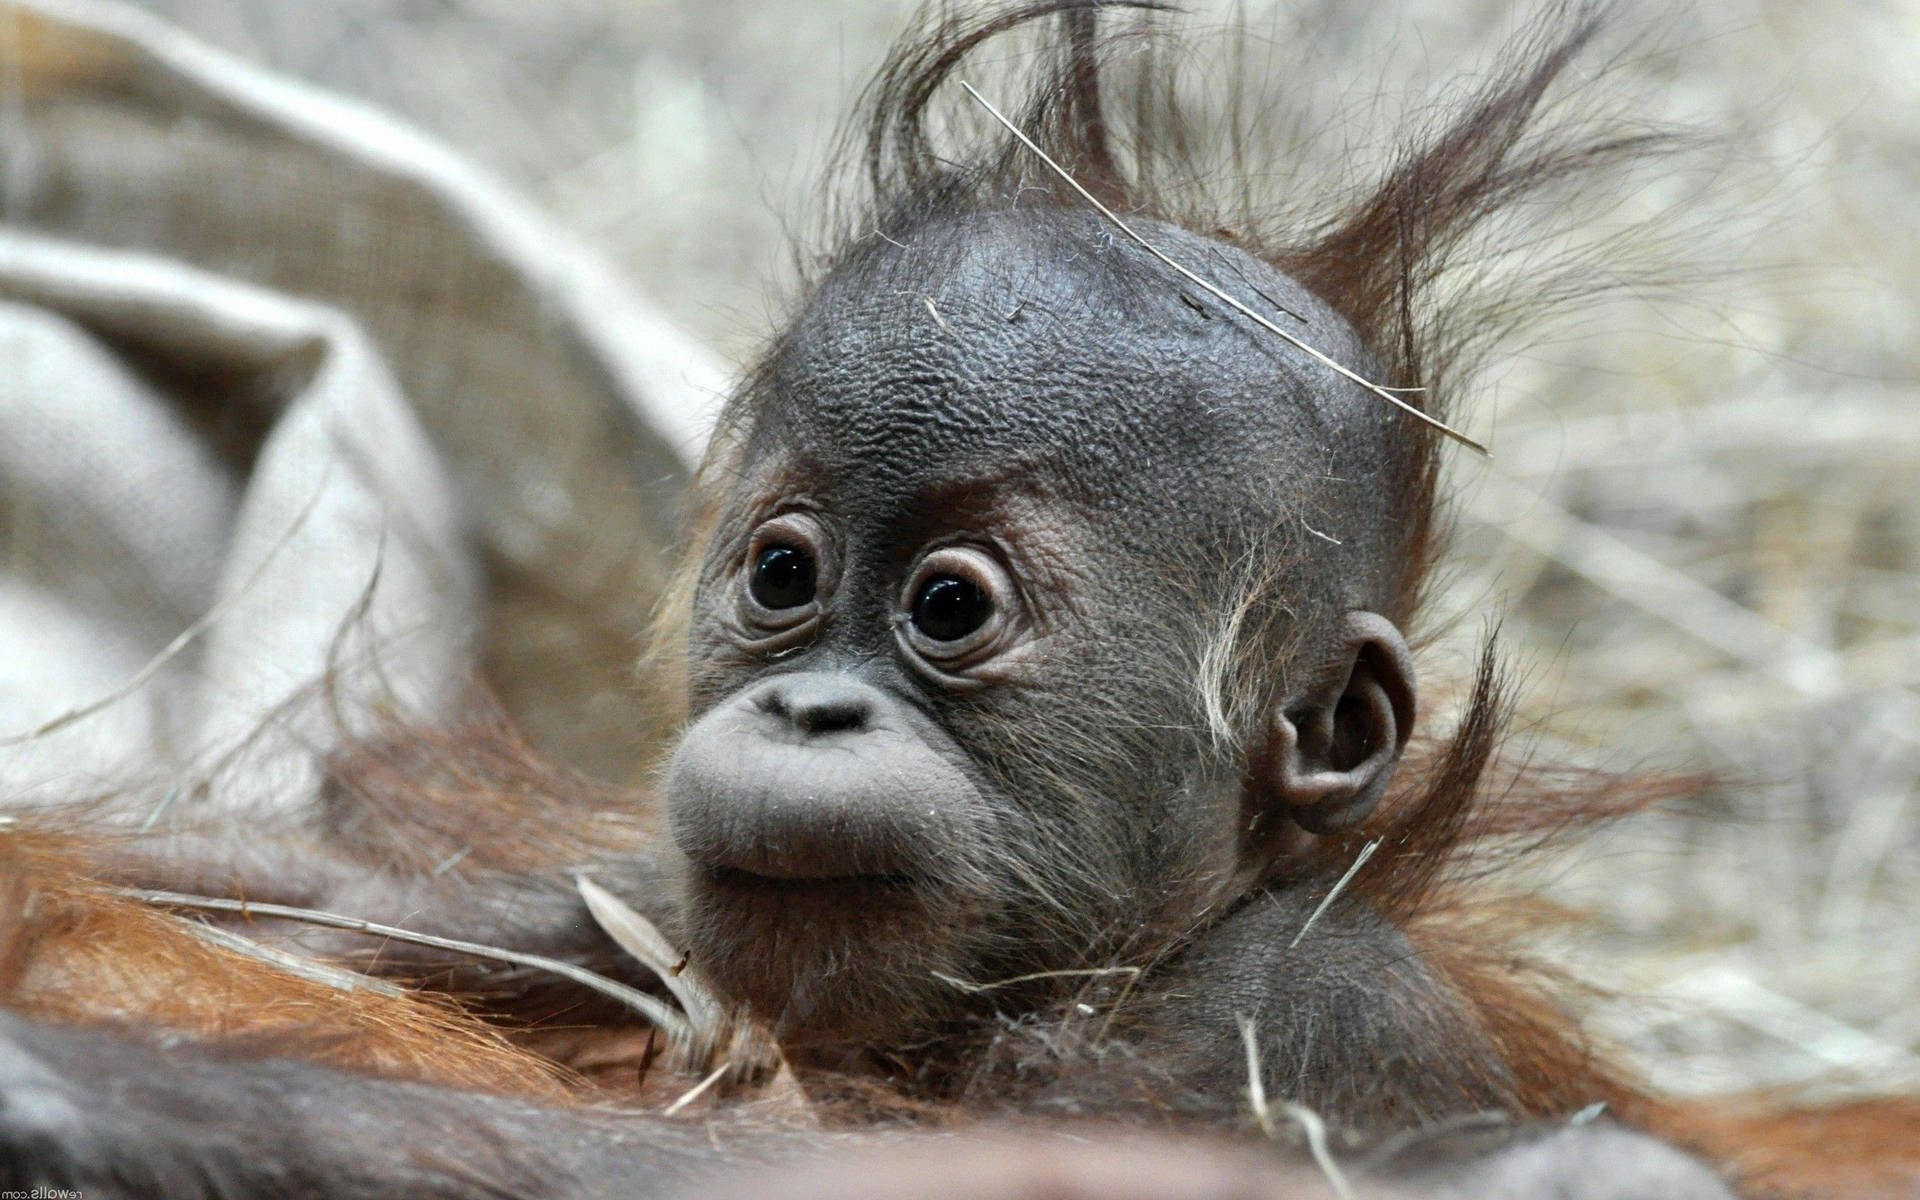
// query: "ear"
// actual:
[[1332, 752]]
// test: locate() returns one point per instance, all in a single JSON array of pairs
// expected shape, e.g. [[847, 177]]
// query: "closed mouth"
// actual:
[[799, 888]]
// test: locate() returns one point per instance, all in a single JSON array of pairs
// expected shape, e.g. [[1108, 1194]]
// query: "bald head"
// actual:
[[1046, 344]]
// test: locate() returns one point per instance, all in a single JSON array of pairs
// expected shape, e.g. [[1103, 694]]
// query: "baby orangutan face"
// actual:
[[982, 504]]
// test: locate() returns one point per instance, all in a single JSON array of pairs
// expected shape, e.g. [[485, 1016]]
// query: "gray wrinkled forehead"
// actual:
[[1040, 334], [1047, 345]]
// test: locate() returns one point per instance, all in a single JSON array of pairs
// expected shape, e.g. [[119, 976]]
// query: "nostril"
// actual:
[[831, 715], [817, 704]]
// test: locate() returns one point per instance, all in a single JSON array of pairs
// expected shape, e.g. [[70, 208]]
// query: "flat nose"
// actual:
[[820, 702]]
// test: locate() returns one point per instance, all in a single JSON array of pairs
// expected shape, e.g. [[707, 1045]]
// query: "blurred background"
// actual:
[[1701, 524]]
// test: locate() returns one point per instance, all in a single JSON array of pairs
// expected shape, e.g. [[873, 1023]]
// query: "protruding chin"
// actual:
[[858, 960]]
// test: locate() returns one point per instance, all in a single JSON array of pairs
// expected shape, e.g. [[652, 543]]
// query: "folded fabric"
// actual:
[[305, 425]]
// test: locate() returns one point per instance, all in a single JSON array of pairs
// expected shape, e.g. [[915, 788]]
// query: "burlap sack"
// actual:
[[304, 424]]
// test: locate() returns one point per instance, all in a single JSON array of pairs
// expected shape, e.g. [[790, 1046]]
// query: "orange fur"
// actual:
[[1861, 1150], [75, 952]]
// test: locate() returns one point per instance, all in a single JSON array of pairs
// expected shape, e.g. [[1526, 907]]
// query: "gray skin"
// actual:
[[1028, 401]]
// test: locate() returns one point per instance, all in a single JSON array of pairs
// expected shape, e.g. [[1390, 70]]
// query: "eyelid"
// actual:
[[1013, 566], [792, 527]]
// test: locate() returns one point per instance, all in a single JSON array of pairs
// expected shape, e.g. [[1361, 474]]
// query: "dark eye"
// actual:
[[783, 577], [949, 608], [960, 610]]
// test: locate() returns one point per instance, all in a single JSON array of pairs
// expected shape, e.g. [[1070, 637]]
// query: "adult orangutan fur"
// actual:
[[1170, 870]]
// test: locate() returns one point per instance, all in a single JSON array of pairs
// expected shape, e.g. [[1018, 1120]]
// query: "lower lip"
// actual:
[[732, 879]]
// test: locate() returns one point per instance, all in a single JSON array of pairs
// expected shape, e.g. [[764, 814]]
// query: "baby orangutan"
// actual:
[[1050, 699]]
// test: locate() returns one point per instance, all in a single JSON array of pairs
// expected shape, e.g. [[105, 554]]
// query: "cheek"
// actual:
[[715, 666], [708, 683], [1204, 855], [1100, 769], [1114, 759]]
